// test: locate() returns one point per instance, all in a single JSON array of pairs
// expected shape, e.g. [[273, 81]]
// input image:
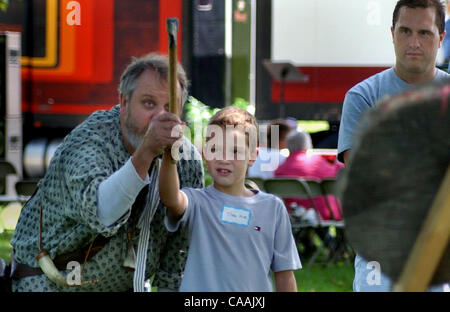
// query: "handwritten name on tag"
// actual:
[[238, 216]]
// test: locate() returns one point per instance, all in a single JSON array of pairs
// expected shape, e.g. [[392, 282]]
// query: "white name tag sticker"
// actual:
[[238, 216]]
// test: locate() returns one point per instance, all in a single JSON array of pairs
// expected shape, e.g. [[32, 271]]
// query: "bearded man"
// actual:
[[98, 204]]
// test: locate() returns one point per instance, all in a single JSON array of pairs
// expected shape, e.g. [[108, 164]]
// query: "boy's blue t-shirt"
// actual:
[[235, 242], [365, 95]]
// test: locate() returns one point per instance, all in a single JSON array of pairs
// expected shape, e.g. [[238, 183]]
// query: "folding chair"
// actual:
[[330, 187], [6, 168], [298, 188], [26, 187], [252, 185], [295, 188], [308, 188], [301, 188], [258, 181], [332, 243]]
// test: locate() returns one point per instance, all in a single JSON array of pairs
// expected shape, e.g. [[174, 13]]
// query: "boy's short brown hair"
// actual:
[[235, 116]]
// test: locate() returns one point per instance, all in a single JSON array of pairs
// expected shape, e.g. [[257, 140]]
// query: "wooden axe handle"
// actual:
[[430, 244], [172, 29]]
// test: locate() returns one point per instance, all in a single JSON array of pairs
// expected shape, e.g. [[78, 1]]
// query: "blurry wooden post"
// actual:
[[430, 244], [172, 29]]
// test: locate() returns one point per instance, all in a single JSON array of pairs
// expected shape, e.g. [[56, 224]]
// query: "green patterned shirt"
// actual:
[[68, 194]]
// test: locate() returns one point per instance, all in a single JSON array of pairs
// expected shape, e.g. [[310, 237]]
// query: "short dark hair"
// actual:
[[283, 131], [437, 4]]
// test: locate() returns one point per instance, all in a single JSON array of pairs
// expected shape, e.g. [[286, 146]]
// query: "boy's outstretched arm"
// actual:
[[285, 281], [169, 188]]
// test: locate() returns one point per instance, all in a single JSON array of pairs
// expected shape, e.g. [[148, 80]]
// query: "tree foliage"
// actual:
[[4, 5]]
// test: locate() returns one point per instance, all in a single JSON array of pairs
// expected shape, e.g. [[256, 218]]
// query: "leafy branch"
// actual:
[[4, 5]]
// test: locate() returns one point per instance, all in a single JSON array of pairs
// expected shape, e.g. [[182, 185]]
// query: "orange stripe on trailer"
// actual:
[[51, 39], [82, 57]]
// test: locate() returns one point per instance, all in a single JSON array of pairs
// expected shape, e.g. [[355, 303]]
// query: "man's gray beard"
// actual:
[[130, 134]]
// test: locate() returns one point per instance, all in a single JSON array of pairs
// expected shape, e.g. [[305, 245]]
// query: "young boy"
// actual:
[[237, 236]]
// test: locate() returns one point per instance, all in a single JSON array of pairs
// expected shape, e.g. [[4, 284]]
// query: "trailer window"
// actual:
[[37, 20]]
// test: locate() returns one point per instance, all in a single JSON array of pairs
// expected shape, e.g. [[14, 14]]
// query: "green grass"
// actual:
[[9, 214], [313, 126], [335, 277], [5, 247]]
